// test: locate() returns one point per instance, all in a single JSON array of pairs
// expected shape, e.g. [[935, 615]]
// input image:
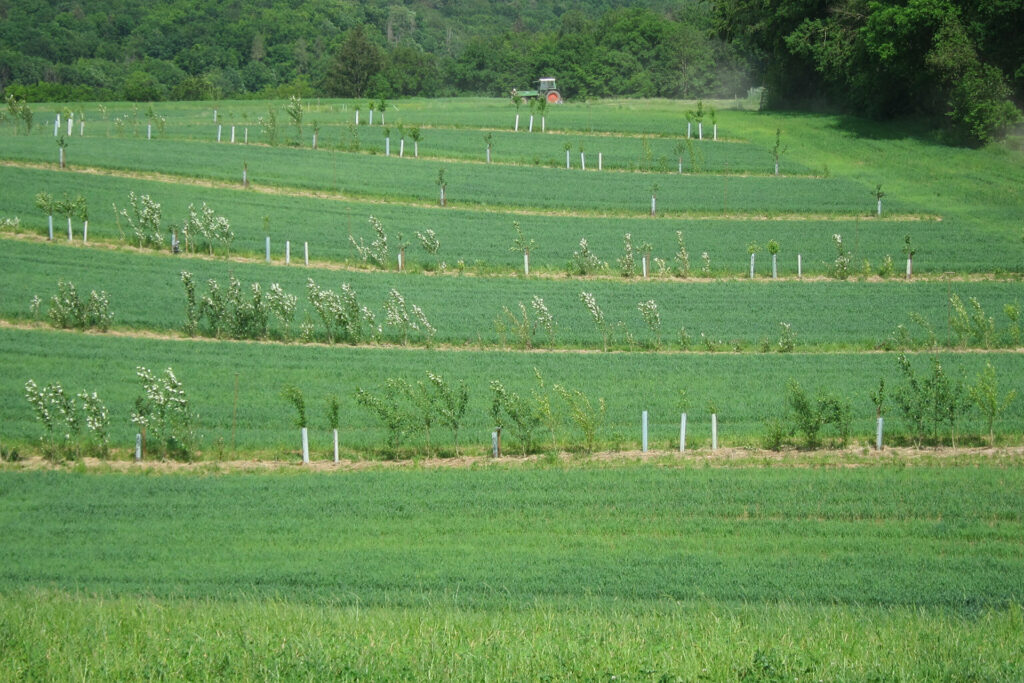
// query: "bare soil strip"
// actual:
[[282, 190], [854, 457], [132, 333]]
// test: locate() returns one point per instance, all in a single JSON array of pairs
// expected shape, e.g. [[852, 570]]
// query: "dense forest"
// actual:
[[192, 49], [958, 62]]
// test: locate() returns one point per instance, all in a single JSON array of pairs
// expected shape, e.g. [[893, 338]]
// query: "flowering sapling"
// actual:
[[144, 220], [377, 251], [451, 402], [282, 305], [164, 409], [544, 318], [652, 318], [584, 261], [597, 314], [681, 261], [293, 395], [627, 264], [840, 267]]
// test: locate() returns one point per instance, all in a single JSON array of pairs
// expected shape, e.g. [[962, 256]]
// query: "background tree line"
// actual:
[[199, 49], [956, 62], [959, 62]]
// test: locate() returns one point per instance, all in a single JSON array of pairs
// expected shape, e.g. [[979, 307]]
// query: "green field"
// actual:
[[724, 574], [759, 562]]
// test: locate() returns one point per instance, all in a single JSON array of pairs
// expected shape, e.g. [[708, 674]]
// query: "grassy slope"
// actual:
[[146, 293], [746, 388], [483, 239]]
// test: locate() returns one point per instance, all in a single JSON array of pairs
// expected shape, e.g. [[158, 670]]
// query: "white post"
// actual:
[[232, 135], [644, 420], [531, 123], [775, 269], [62, 157], [416, 149], [69, 229], [799, 266], [247, 136], [526, 263], [583, 162], [85, 232], [654, 204], [81, 127], [305, 446], [149, 131], [245, 176], [400, 264], [682, 433], [488, 155], [494, 444], [599, 161], [305, 246], [700, 130], [371, 117], [287, 252], [382, 117], [714, 432], [71, 123], [878, 435], [387, 147], [268, 248], [543, 124], [688, 127], [908, 268], [56, 126], [752, 266], [219, 127], [879, 208], [716, 133], [567, 158], [401, 148], [643, 265], [357, 117], [335, 445], [215, 116], [51, 228], [517, 123], [138, 447]]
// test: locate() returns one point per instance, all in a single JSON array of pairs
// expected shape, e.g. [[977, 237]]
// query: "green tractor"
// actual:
[[546, 89]]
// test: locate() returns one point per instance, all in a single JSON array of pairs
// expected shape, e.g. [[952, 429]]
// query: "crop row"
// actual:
[[627, 117], [745, 390], [467, 184], [483, 240], [631, 153], [146, 292]]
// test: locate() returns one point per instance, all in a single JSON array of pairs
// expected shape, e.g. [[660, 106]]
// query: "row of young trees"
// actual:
[[932, 405], [76, 425]]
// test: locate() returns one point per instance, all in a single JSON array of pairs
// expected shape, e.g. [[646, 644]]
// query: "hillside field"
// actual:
[[754, 555]]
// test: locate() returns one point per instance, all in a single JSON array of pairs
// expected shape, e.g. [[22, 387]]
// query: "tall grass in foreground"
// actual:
[[46, 635]]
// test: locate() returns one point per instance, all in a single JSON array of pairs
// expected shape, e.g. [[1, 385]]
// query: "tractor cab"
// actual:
[[546, 88]]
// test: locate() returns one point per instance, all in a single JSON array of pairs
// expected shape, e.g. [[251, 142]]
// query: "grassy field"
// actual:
[[762, 574]]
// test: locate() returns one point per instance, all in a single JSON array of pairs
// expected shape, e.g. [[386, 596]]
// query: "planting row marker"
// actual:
[[268, 249], [682, 433], [644, 431]]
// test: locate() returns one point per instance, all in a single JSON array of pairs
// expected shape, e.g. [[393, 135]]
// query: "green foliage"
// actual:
[[930, 403], [810, 415], [515, 413], [144, 220], [293, 395], [985, 394], [376, 252]]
